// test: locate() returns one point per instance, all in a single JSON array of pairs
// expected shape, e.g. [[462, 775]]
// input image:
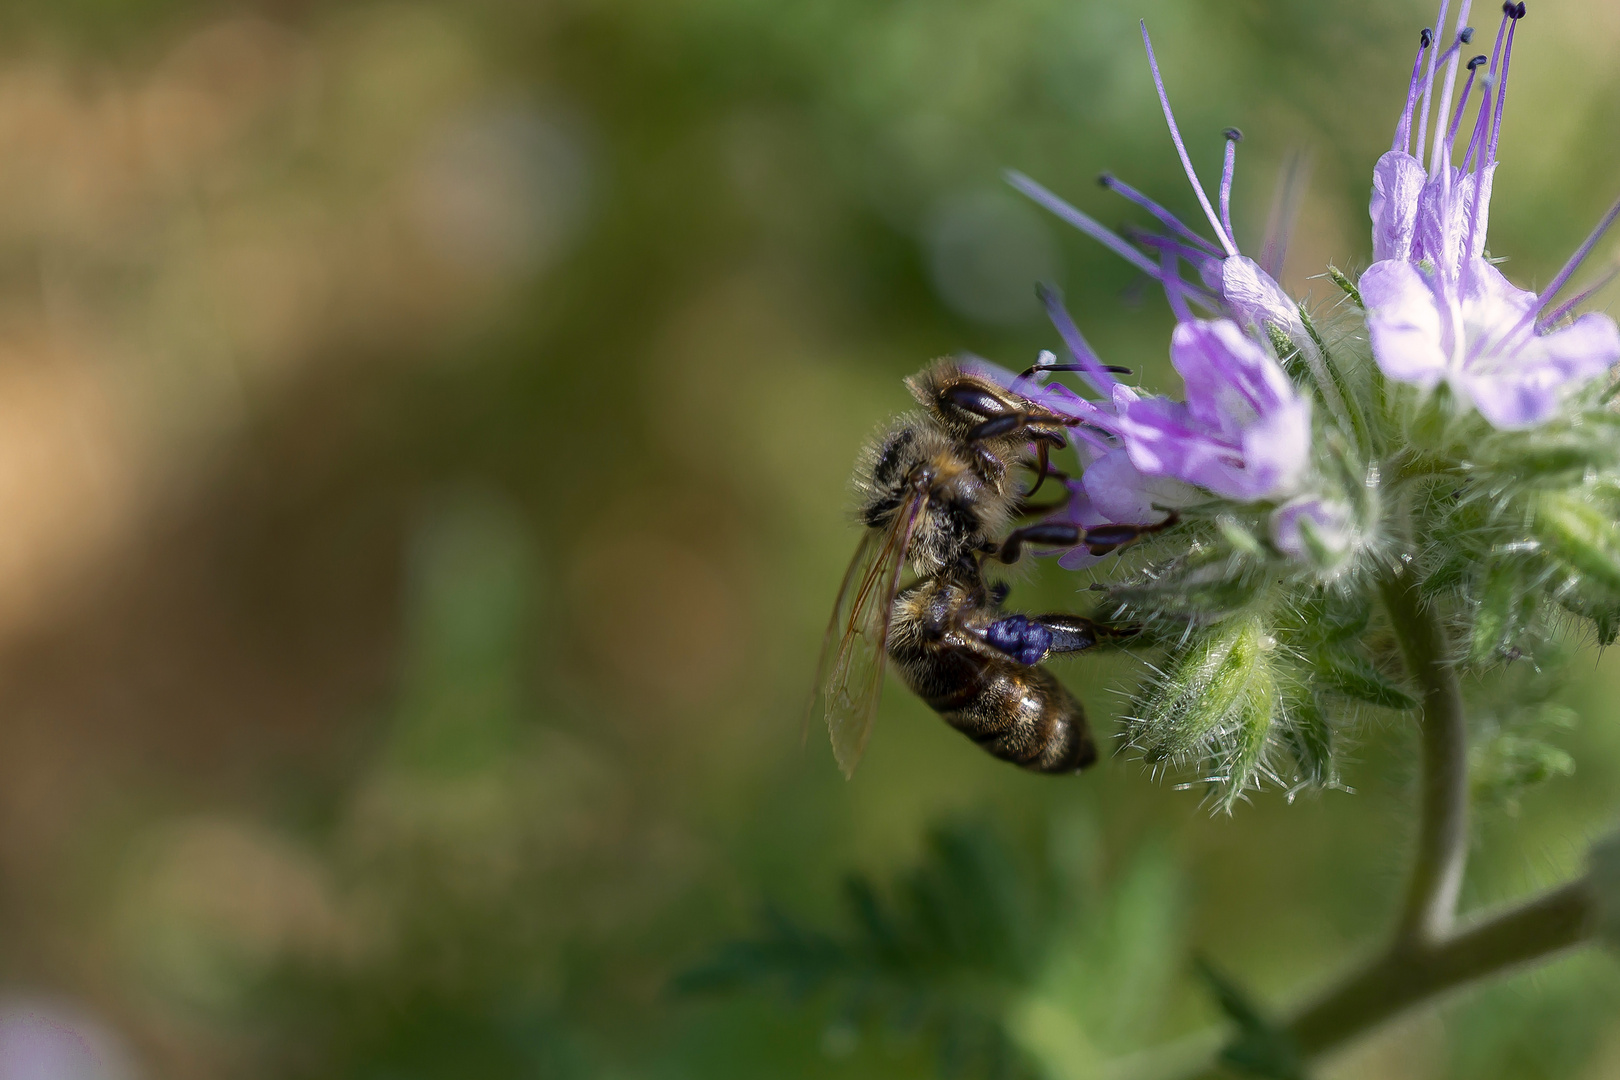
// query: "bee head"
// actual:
[[960, 400]]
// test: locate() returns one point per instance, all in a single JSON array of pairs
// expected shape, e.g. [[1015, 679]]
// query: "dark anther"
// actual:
[[1476, 61], [1426, 38], [1519, 14], [1467, 35], [1118, 369], [1233, 135], [1509, 7], [1105, 179]]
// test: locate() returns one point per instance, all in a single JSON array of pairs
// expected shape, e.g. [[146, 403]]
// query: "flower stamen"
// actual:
[[1098, 374], [1428, 88], [1513, 18], [1169, 220], [1556, 314], [1196, 256], [1174, 287], [1233, 137], [1462, 103], [1181, 147], [1487, 85], [1403, 130], [1440, 156], [1562, 277], [1084, 222]]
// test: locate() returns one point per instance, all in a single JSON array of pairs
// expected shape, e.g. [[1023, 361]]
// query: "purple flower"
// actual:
[[1255, 300], [1227, 282], [1437, 310], [1244, 430]]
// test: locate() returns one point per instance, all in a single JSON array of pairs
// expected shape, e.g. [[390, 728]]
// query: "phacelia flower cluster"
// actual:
[[1438, 312], [1243, 431], [1442, 431]]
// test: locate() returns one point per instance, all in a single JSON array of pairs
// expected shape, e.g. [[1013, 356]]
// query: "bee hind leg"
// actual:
[[1029, 639]]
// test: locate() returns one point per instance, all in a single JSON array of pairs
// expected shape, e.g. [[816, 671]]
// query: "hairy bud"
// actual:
[[1215, 705]]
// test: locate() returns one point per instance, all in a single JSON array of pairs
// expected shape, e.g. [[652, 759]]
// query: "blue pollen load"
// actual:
[[1024, 641]]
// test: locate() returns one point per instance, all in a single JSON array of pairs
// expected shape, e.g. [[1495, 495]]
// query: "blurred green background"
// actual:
[[424, 431]]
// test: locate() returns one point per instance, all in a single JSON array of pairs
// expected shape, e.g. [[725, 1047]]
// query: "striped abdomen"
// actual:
[[1017, 713]]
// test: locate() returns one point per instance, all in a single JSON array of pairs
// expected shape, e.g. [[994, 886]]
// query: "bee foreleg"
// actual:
[[1014, 423], [1042, 465], [1099, 540], [1052, 533]]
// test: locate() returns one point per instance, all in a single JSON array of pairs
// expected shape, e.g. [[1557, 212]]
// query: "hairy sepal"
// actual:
[[1581, 535], [1217, 704]]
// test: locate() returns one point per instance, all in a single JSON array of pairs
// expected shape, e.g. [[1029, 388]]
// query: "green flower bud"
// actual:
[[1495, 620], [1581, 536], [1339, 278], [1250, 738], [1217, 703], [1202, 689]]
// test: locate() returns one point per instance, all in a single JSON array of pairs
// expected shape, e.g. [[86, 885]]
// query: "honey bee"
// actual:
[[935, 491], [979, 669]]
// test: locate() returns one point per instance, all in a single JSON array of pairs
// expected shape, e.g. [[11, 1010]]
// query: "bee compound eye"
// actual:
[[973, 399]]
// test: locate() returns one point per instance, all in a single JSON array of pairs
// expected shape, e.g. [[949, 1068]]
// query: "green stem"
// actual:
[[1426, 956], [1442, 841], [1403, 976]]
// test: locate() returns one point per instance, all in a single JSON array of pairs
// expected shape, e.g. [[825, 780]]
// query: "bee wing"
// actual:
[[850, 676]]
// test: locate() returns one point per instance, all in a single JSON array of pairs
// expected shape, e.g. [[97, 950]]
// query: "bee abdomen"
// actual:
[[1024, 716]]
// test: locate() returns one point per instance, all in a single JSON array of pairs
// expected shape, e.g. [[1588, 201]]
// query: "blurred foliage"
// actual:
[[423, 438], [987, 962], [1260, 1047]]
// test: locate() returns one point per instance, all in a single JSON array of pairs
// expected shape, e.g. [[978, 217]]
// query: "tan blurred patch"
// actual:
[[1322, 236], [1412, 1048], [66, 486], [1605, 1061], [479, 832], [177, 242], [210, 897], [662, 617]]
